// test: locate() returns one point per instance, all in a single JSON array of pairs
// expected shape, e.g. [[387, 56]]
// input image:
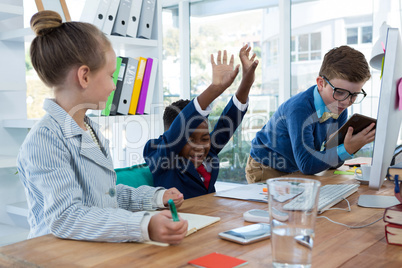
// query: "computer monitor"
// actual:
[[389, 116]]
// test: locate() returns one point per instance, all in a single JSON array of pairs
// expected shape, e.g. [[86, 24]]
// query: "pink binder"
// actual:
[[144, 87]]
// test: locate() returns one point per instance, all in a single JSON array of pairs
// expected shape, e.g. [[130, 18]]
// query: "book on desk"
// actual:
[[395, 170], [393, 229]]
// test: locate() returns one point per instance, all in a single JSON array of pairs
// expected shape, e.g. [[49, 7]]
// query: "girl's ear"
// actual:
[[83, 76], [320, 83]]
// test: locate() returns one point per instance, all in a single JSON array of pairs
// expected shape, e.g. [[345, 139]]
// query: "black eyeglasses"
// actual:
[[341, 94]]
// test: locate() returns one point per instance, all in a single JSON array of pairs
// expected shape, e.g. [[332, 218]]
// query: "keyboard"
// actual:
[[330, 195]]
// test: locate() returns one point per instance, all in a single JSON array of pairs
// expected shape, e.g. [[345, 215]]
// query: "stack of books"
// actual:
[[395, 170], [393, 229], [131, 18], [135, 85]]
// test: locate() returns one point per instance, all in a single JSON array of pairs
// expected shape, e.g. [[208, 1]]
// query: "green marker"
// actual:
[[173, 210]]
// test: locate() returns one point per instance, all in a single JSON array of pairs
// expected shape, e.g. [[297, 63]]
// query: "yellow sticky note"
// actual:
[[353, 170]]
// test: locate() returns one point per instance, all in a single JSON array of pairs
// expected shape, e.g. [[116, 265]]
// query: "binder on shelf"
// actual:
[[146, 19], [101, 13], [89, 12], [128, 85], [135, 12], [119, 86], [122, 17], [145, 86], [110, 17], [137, 85], [151, 87], [106, 111]]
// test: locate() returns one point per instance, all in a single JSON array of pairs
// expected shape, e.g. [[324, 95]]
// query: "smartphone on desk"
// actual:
[[357, 121], [247, 234]]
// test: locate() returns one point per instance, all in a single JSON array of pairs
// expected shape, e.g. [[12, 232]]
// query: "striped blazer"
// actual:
[[70, 184]]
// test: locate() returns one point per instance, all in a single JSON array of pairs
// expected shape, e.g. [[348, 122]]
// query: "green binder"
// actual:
[[109, 101]]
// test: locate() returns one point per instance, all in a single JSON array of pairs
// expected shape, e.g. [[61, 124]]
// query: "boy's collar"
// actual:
[[319, 104]]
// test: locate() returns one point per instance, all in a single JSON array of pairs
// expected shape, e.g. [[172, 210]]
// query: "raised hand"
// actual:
[[248, 66], [223, 76], [223, 73]]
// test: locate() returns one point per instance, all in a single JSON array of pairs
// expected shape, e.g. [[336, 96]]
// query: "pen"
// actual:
[[173, 210]]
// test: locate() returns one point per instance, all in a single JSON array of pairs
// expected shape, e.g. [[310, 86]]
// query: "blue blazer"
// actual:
[[171, 170]]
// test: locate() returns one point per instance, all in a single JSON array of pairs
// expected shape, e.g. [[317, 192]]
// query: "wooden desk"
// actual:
[[334, 245]]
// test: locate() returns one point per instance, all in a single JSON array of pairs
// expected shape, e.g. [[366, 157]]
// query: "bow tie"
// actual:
[[326, 115]]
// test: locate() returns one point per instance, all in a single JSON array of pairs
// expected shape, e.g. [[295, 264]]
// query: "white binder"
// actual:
[[121, 22], [128, 85], [89, 12], [110, 17], [134, 18], [151, 87], [146, 19], [100, 15]]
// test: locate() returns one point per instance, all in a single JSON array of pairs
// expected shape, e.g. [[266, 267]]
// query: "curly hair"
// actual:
[[172, 111]]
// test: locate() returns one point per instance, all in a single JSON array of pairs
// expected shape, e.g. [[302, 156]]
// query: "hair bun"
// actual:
[[45, 21]]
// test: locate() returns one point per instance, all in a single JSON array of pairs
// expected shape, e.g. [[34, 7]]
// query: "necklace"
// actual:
[[91, 132]]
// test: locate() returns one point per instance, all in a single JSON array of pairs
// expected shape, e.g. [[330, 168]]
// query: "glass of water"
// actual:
[[293, 209]]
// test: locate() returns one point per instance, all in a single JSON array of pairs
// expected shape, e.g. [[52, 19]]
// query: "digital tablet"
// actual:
[[357, 121], [247, 234]]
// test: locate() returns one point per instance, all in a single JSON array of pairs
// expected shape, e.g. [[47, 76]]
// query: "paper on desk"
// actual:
[[250, 192], [195, 223]]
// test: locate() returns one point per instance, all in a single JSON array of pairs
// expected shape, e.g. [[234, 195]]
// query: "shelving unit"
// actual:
[[12, 107]]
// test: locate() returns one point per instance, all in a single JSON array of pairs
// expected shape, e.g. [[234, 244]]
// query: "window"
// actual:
[[352, 36], [271, 48], [37, 91], [359, 35], [306, 47], [232, 34], [171, 56]]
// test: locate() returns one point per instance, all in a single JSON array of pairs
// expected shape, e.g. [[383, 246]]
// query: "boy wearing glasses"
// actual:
[[294, 137]]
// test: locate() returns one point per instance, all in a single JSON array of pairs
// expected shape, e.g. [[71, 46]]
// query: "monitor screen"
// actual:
[[389, 115]]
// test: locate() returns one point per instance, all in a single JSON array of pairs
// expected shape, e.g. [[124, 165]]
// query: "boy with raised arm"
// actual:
[[186, 155]]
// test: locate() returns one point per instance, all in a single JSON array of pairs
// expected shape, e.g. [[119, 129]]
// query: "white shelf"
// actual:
[[7, 161], [19, 123], [19, 35], [8, 11], [127, 42], [20, 208]]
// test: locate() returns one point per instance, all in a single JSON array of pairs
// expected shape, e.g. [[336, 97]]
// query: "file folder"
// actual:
[[119, 86], [101, 13], [146, 19], [110, 17], [134, 18], [144, 87], [137, 85], [89, 12], [128, 85], [151, 86], [106, 111], [122, 17]]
